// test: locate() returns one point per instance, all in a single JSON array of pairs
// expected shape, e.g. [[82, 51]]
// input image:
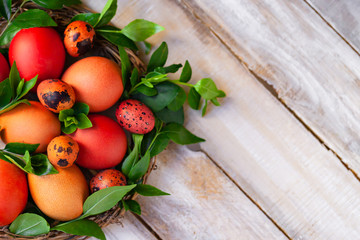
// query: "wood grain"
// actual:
[[131, 229], [343, 16], [295, 52], [253, 137], [203, 204]]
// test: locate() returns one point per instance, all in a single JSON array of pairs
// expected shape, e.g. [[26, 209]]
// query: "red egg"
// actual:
[[38, 51], [107, 178], [101, 146], [4, 68]]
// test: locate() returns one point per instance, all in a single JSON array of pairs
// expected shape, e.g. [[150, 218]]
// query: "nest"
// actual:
[[101, 48]]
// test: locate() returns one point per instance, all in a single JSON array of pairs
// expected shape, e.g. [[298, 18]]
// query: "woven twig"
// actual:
[[103, 48]]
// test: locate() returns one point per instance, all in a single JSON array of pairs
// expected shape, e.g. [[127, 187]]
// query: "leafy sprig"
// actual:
[[136, 31], [160, 93], [74, 118], [21, 155], [13, 89]]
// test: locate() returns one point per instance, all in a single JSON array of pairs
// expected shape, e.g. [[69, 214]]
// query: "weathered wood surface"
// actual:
[[308, 64], [131, 228], [343, 16], [268, 153]]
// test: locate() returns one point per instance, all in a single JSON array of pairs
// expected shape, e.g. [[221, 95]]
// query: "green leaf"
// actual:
[[125, 65], [41, 165], [28, 85], [148, 47], [167, 91], [104, 200], [91, 18], [29, 224], [21, 148], [9, 34], [215, 102], [55, 4], [134, 77], [172, 68], [34, 18], [148, 91], [204, 108], [140, 29], [133, 156], [82, 227], [5, 93], [207, 89], [65, 113], [133, 206], [168, 116], [13, 105], [178, 101], [114, 35], [14, 78], [194, 99], [20, 87], [5, 9], [68, 130], [159, 145], [148, 190], [107, 13], [186, 72], [140, 168], [158, 58], [80, 107], [180, 135], [84, 121]]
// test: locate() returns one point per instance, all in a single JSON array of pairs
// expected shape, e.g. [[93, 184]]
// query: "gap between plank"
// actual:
[[268, 86], [147, 226], [333, 28], [243, 191]]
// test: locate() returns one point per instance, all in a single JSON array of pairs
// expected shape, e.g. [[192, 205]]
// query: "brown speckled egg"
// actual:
[[56, 95], [135, 116], [107, 178], [63, 151], [79, 38]]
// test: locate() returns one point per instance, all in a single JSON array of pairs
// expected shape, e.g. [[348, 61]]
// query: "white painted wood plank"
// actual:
[[343, 15], [312, 69], [301, 185], [131, 229], [203, 204]]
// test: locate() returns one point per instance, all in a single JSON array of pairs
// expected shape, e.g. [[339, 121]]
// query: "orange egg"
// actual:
[[56, 95], [107, 178], [79, 38], [63, 151], [29, 124], [96, 81]]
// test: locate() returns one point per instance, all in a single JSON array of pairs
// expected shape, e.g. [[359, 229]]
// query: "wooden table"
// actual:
[[282, 156]]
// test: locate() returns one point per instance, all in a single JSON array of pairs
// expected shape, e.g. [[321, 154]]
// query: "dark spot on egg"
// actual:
[[69, 150], [70, 143], [52, 99], [84, 46], [63, 163], [55, 147], [76, 36], [60, 149], [88, 27]]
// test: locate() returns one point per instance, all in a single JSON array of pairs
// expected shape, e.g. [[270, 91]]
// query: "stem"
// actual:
[[134, 88], [13, 16], [182, 83]]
